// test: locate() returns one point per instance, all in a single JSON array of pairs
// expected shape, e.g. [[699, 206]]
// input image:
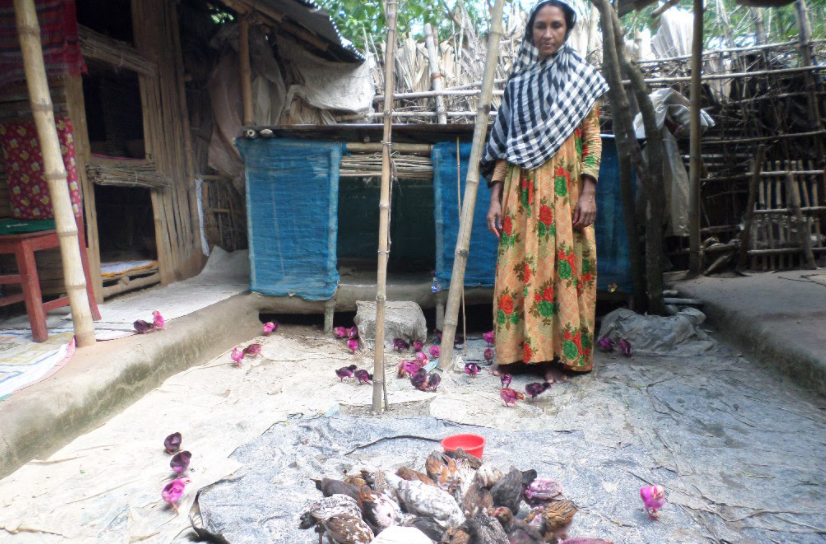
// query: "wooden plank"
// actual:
[[77, 113]]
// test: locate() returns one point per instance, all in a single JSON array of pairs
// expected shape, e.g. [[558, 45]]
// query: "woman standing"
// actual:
[[542, 160]]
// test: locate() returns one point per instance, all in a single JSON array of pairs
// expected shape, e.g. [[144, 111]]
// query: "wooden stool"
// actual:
[[23, 246]]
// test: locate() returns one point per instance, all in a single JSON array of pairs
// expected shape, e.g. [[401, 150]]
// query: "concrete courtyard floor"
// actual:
[[738, 446]]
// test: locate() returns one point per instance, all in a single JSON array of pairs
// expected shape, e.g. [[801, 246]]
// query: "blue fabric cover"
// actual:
[[612, 248], [481, 265], [292, 211]]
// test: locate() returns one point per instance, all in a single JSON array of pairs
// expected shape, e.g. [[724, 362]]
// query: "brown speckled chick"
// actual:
[[484, 529], [477, 499], [409, 474], [441, 469], [327, 508], [347, 529], [553, 520]]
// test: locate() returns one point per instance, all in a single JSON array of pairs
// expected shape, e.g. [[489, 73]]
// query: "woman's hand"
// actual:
[[585, 212], [494, 216]]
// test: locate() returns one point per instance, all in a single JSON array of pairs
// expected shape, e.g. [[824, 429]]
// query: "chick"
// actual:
[[326, 508], [142, 327], [158, 321], [419, 380], [173, 491], [346, 372], [363, 376], [380, 511], [329, 487], [477, 499], [483, 529], [518, 532], [180, 461], [535, 389], [441, 469], [410, 475], [172, 443], [426, 501], [430, 528], [553, 520], [507, 491], [542, 490], [487, 475], [347, 529]]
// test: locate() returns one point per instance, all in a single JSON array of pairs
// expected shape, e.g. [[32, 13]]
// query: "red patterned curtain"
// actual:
[[58, 34]]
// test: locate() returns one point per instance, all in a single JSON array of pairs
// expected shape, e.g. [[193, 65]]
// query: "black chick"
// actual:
[[428, 526], [518, 532], [330, 487], [484, 529], [508, 491]]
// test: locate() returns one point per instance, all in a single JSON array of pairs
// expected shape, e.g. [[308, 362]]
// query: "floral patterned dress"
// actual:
[[545, 292]]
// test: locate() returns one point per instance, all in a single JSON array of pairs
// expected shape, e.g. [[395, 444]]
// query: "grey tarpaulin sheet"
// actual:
[[260, 503]]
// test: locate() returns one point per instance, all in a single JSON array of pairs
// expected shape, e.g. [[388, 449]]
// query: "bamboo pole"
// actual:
[[436, 78], [246, 70], [695, 159], [745, 236], [379, 389], [55, 171], [805, 34], [457, 278], [804, 232]]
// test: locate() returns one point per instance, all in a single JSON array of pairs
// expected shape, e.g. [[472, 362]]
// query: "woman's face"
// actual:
[[549, 30]]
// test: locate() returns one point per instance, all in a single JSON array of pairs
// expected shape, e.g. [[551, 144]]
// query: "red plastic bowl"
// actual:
[[471, 443]]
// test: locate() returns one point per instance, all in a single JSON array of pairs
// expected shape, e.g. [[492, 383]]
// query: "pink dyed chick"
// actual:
[[535, 389], [253, 350], [489, 354], [510, 396], [237, 356], [269, 327], [142, 327], [353, 345], [419, 380], [363, 376], [489, 337], [625, 347], [506, 380], [340, 332], [157, 320], [418, 345], [433, 381], [472, 369], [353, 332], [180, 462], [606, 344], [435, 351], [346, 372], [173, 491], [654, 498], [422, 357], [172, 443], [408, 368]]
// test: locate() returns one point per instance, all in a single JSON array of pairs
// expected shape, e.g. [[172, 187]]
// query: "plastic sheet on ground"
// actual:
[[677, 335]]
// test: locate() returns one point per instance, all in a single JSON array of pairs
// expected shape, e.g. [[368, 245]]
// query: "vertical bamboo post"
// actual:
[[379, 390], [457, 278], [754, 182], [760, 36], [804, 232], [695, 147], [436, 78], [246, 70], [805, 37], [55, 171]]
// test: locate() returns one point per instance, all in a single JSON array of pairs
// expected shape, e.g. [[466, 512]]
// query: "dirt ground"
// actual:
[[738, 448]]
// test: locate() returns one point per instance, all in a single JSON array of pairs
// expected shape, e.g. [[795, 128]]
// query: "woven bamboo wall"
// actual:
[[167, 134]]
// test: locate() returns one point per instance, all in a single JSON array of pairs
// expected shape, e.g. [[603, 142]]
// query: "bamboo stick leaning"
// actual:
[[379, 389], [457, 278], [55, 171], [694, 203]]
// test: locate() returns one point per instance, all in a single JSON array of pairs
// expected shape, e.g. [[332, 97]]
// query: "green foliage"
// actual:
[[360, 19], [724, 19]]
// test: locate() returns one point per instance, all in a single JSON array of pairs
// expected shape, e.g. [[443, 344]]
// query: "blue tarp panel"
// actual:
[[613, 265], [612, 249], [292, 210], [481, 265]]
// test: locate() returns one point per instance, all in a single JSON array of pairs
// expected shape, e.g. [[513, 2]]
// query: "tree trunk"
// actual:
[[628, 149]]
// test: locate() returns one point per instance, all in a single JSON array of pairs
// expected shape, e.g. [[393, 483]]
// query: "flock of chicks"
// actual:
[[142, 327], [457, 500], [174, 490], [253, 350]]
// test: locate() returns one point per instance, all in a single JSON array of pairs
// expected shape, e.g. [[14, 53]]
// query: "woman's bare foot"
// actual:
[[495, 369], [555, 374]]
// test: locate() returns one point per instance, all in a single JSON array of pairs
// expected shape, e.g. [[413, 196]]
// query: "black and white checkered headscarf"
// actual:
[[544, 102]]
